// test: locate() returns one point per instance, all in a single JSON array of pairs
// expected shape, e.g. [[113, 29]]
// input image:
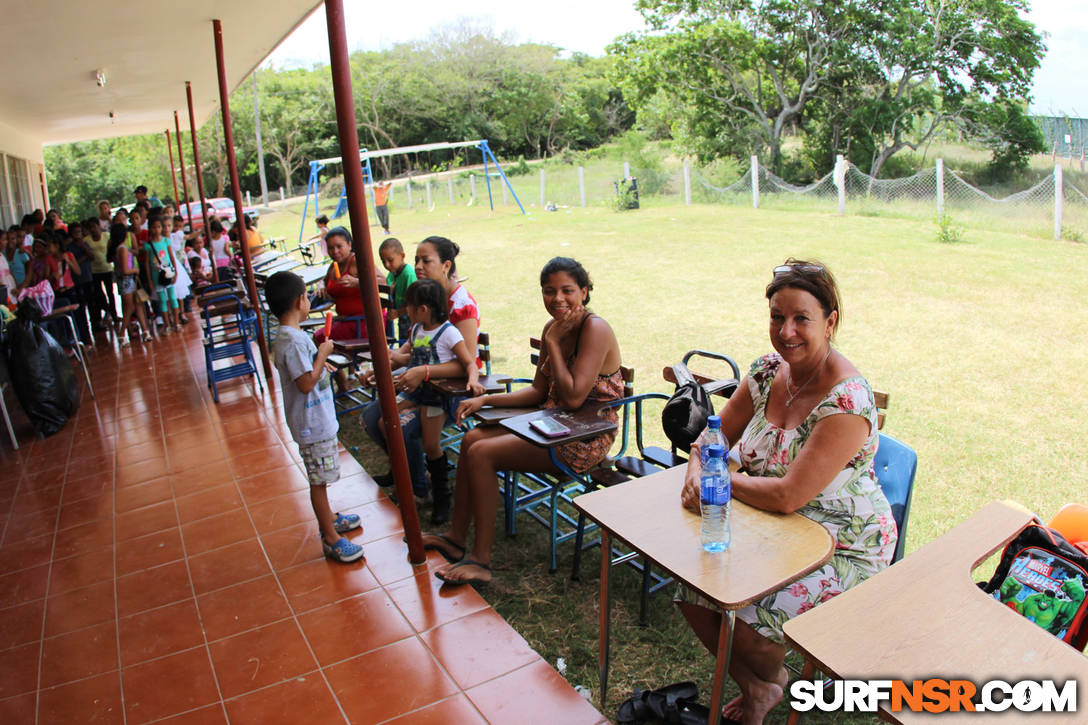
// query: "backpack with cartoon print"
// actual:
[[1043, 577]]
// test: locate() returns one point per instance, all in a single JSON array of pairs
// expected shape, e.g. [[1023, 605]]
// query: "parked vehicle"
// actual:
[[221, 207]]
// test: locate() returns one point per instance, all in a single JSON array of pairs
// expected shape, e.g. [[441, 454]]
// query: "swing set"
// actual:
[[316, 167]]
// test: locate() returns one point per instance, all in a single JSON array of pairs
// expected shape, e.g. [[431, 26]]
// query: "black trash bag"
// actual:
[[40, 372]]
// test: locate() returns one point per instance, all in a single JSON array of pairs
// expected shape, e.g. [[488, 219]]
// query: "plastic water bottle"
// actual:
[[712, 436], [715, 495]]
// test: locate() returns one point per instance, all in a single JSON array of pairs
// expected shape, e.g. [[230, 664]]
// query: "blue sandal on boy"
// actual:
[[343, 551], [346, 522]]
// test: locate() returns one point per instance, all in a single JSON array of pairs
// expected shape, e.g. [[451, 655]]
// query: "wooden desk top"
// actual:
[[924, 617], [264, 258], [458, 387], [311, 275], [352, 345], [767, 551], [491, 415], [583, 423]]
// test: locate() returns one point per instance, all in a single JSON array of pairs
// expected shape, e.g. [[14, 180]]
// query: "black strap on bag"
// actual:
[[684, 416]]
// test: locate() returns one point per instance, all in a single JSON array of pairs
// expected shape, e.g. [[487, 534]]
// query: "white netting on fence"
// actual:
[[922, 185]]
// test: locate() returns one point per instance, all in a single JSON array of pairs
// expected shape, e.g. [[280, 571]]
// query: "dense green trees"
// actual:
[[462, 83], [866, 78]]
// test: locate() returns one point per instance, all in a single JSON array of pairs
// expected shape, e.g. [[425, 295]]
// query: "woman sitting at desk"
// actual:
[[342, 287], [579, 364], [807, 432]]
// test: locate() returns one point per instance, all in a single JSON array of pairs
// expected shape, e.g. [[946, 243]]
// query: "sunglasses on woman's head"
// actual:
[[802, 268]]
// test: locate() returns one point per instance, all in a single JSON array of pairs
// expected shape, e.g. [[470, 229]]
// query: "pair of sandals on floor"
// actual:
[[448, 549], [676, 703]]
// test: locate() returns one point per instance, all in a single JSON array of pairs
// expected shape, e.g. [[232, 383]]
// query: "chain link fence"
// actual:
[[1054, 206]]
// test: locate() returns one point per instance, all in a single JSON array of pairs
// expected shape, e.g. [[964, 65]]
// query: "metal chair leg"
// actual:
[[644, 605], [7, 420], [77, 346], [575, 573]]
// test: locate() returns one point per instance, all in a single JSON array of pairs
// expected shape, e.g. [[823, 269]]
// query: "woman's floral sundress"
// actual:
[[852, 507]]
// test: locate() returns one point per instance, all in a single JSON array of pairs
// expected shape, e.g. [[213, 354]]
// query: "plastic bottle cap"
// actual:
[[714, 421], [715, 451]]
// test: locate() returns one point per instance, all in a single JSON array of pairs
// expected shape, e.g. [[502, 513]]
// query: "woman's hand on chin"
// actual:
[[565, 323]]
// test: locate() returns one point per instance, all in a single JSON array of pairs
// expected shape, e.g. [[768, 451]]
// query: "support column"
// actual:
[[15, 218], [260, 146], [543, 188], [196, 167], [181, 163], [173, 173], [940, 188], [840, 181], [687, 183], [236, 194], [755, 182], [582, 185], [368, 283], [45, 189], [1058, 201]]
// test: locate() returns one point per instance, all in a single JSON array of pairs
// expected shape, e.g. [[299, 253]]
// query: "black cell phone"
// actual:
[[549, 427]]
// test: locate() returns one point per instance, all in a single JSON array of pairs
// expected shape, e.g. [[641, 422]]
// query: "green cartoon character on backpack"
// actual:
[[1042, 608], [1067, 608]]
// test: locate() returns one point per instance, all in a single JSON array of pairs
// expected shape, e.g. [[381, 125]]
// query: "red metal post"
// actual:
[[181, 164], [196, 171], [236, 193], [173, 173], [368, 283]]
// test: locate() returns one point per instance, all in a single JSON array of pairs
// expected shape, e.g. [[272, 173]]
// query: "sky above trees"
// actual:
[[1061, 83]]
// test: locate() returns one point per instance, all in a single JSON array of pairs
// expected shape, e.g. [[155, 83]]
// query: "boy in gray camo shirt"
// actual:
[[308, 407]]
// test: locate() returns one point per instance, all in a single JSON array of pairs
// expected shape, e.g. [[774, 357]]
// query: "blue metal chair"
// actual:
[[228, 338], [895, 465]]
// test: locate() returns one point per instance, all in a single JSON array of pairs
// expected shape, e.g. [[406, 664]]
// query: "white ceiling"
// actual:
[[148, 49]]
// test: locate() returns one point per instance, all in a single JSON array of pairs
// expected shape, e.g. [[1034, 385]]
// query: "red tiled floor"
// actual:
[[79, 608], [157, 632], [318, 583], [388, 671], [478, 647], [21, 624], [208, 502], [532, 695], [228, 565], [83, 570], [217, 531], [307, 694], [260, 657], [162, 549], [353, 626], [79, 654], [19, 669], [152, 588], [456, 709], [149, 551], [229, 611], [155, 690], [96, 699]]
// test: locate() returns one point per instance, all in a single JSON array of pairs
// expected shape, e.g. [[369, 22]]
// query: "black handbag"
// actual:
[[684, 416]]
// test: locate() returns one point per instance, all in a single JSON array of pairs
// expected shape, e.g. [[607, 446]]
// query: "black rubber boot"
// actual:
[[439, 468]]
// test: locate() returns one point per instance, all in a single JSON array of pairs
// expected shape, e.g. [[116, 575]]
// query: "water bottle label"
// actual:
[[715, 490]]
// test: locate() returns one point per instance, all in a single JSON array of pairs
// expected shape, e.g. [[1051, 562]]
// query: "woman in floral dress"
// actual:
[[807, 432]]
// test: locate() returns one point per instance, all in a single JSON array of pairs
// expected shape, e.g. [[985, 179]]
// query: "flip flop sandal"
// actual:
[[445, 554], [633, 709], [459, 582], [665, 703]]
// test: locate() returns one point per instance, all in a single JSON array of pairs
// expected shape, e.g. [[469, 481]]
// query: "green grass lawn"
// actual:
[[981, 345]]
